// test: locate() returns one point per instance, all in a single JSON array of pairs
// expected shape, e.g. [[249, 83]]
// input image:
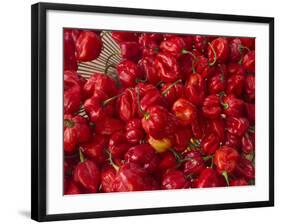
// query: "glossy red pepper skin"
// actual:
[[201, 43], [207, 178], [195, 89], [128, 73], [233, 106], [134, 131], [131, 177], [216, 84], [87, 175], [127, 105], [250, 111], [237, 126], [235, 69], [239, 182], [250, 87], [185, 63], [210, 143], [88, 46], [174, 179], [235, 49], [150, 43], [130, 50], [211, 107], [118, 145], [245, 168], [95, 149], [120, 37], [248, 42], [159, 123], [217, 126], [72, 92], [194, 163], [108, 126], [69, 51], [185, 111], [248, 62], [146, 66], [235, 85], [70, 187], [199, 126], [167, 67], [143, 155], [108, 174], [233, 141], [247, 144], [171, 92], [221, 48], [151, 98], [182, 138], [226, 159], [175, 46], [97, 107], [76, 130], [99, 82], [167, 161]]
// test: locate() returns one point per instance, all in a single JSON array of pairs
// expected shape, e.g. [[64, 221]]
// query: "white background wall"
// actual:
[[15, 110]]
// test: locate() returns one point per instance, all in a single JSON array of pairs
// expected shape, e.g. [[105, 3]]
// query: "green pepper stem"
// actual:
[[170, 86], [68, 123], [111, 161], [81, 156], [107, 67], [184, 51], [225, 175], [104, 103], [243, 47], [215, 54]]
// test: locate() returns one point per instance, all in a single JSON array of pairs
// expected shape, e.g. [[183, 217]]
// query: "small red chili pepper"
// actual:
[[118, 145], [210, 143], [182, 138], [87, 175], [207, 178], [167, 67], [127, 105], [237, 126], [69, 51], [101, 82], [218, 50], [250, 87], [235, 85], [128, 73], [175, 179], [195, 89], [211, 107], [248, 62], [143, 155], [146, 66], [226, 159], [172, 91], [108, 125], [194, 163], [185, 111], [95, 149], [247, 144], [88, 46], [134, 131], [76, 130], [232, 106]]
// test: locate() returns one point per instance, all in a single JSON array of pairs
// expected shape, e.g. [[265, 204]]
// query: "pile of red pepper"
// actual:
[[180, 115]]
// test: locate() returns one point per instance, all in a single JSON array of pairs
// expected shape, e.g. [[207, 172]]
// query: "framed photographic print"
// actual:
[[138, 111]]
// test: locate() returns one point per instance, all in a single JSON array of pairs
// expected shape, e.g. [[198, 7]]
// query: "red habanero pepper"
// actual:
[[186, 63], [247, 144], [95, 149], [124, 36], [127, 105], [128, 73], [233, 141], [151, 98], [248, 62], [211, 107], [70, 187], [69, 51], [167, 67], [194, 163], [76, 131], [218, 50], [207, 178], [195, 89], [185, 111], [160, 145], [235, 49], [210, 143], [237, 125], [130, 50], [239, 182], [175, 46], [235, 69], [232, 106], [146, 66], [118, 145], [217, 126], [175, 179], [88, 46], [201, 43], [134, 131], [250, 87], [182, 138], [100, 106], [248, 42], [101, 82], [87, 175], [245, 168], [143, 88], [226, 159], [216, 84], [143, 155], [108, 125], [149, 43], [235, 85], [167, 161], [108, 174], [172, 92], [250, 111]]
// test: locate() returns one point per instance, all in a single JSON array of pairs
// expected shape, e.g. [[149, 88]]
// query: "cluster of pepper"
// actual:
[[180, 115]]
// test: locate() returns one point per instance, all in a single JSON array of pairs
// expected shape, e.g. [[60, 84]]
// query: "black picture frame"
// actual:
[[38, 108]]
